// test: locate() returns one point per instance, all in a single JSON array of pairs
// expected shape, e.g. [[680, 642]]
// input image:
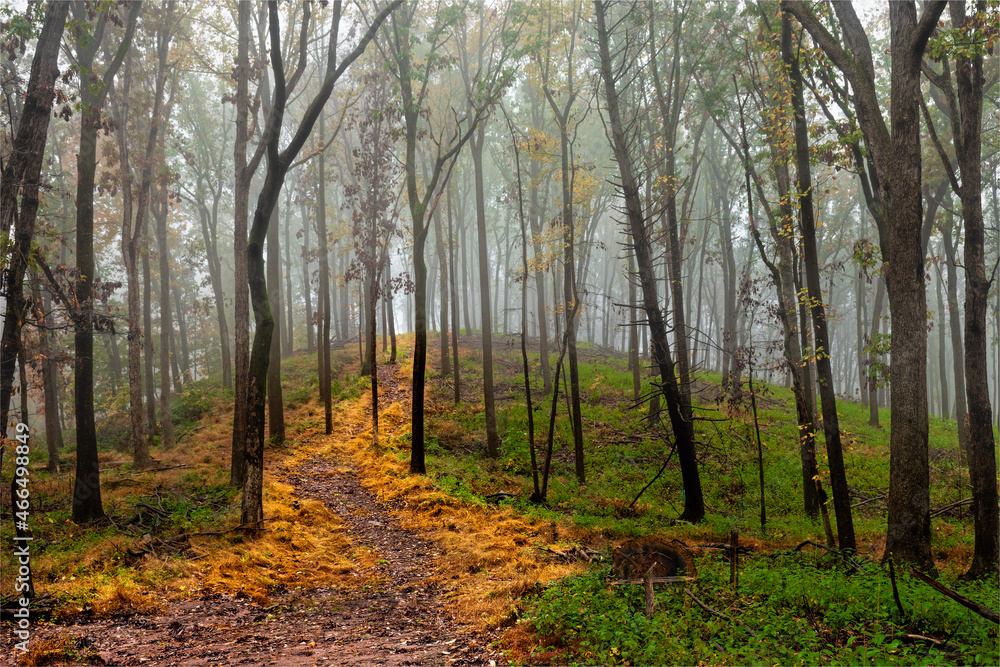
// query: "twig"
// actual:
[[895, 590], [720, 614], [986, 613]]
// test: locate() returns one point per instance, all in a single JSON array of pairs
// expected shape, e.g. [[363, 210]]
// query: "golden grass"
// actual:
[[57, 650], [487, 557], [304, 546]]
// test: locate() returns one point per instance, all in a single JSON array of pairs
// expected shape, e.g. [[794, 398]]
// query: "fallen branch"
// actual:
[[575, 552], [159, 469], [655, 580], [958, 503], [724, 545], [865, 502], [719, 613], [986, 613], [815, 544], [499, 495], [940, 643]]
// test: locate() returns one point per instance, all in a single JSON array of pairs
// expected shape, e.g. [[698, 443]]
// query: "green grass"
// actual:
[[791, 609], [804, 609], [623, 453]]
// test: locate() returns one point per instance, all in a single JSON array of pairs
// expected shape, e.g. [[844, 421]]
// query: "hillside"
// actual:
[[362, 559]]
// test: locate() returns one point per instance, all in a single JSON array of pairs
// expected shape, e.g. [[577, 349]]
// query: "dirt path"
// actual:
[[400, 619]]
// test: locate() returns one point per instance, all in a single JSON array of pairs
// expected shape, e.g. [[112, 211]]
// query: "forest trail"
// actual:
[[397, 616]]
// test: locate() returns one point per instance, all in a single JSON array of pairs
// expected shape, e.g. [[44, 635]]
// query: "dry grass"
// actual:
[[304, 546], [488, 559], [59, 650]]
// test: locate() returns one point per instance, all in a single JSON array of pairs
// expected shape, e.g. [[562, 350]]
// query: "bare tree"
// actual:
[[638, 221]]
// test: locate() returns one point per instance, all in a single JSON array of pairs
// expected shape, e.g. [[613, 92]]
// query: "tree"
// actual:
[[324, 305], [536, 496], [159, 206], [810, 260], [413, 77], [134, 225], [897, 158], [278, 162], [19, 183], [565, 118], [206, 160], [694, 504], [964, 103], [372, 198], [93, 91], [241, 197]]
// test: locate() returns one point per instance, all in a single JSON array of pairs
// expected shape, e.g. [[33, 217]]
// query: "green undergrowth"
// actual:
[[624, 450], [789, 609]]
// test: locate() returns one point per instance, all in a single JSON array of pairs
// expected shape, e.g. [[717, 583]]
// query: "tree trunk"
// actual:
[[392, 315], [160, 209], [909, 531], [694, 506], [185, 374], [307, 278], [443, 282], [831, 427], [465, 280], [287, 326], [873, 390], [492, 437], [53, 432], [541, 317], [87, 504], [20, 176], [982, 452], [633, 331], [148, 378], [456, 380], [275, 403], [241, 202], [324, 304], [939, 328], [859, 320]]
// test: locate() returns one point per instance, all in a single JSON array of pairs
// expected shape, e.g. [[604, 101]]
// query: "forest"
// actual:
[[512, 332]]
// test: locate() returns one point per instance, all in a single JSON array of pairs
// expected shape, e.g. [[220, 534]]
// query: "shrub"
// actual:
[[195, 400]]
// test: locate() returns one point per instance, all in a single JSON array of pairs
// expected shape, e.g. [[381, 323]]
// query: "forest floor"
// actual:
[[363, 563], [397, 613]]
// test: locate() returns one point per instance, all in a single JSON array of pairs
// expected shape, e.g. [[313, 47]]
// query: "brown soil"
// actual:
[[396, 617]]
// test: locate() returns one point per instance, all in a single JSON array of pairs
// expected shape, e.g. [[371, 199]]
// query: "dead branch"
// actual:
[[986, 613], [942, 510], [719, 613], [655, 580], [865, 502]]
